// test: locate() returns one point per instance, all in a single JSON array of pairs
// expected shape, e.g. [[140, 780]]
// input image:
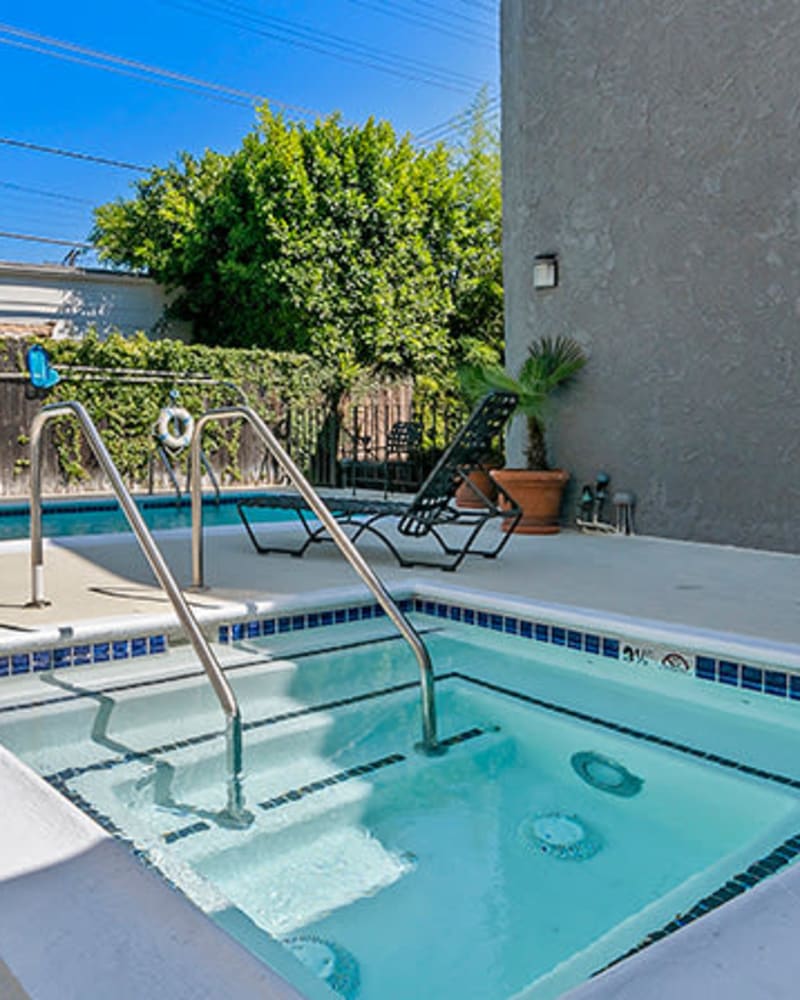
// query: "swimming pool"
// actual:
[[583, 802], [102, 516]]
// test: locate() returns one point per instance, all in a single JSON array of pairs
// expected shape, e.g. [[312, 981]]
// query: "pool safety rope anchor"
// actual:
[[176, 438]]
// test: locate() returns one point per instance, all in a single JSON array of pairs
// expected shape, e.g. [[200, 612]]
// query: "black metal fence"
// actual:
[[350, 448]]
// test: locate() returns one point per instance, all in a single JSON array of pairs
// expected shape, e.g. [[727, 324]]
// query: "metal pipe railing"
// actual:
[[235, 813], [430, 744]]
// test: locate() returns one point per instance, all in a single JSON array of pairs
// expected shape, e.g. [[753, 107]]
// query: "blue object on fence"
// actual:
[[42, 375]]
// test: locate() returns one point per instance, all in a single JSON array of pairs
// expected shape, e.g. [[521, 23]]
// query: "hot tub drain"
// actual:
[[606, 774], [327, 960], [562, 836]]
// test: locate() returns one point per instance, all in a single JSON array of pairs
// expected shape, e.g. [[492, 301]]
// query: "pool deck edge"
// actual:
[[109, 926]]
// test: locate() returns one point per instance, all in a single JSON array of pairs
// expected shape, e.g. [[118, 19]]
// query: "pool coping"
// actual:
[[723, 658], [101, 916]]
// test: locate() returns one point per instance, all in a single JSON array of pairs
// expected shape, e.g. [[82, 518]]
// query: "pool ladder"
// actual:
[[429, 744], [235, 813]]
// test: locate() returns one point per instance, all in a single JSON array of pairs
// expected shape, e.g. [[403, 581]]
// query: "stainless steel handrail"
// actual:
[[235, 813], [430, 744]]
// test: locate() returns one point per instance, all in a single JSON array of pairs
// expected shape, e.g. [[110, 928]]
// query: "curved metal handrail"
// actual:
[[235, 813], [430, 744]]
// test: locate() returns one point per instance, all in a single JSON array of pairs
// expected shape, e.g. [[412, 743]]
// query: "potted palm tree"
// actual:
[[552, 364]]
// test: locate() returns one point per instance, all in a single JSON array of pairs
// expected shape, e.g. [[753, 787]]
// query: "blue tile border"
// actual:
[[82, 654], [764, 680]]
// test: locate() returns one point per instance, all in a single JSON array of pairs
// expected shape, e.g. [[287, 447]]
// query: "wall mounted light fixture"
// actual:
[[545, 270]]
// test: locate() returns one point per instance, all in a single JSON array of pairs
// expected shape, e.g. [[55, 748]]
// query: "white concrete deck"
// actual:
[[744, 950], [732, 590]]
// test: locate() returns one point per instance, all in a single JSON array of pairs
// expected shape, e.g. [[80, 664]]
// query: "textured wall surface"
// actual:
[[655, 146]]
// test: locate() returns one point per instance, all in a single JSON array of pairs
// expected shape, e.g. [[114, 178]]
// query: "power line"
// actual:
[[430, 24], [30, 209], [72, 154], [487, 7], [110, 68], [455, 125], [438, 14], [337, 43], [289, 33], [41, 192], [21, 38], [20, 217], [26, 237]]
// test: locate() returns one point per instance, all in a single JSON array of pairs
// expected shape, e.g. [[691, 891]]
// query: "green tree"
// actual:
[[476, 323], [342, 241]]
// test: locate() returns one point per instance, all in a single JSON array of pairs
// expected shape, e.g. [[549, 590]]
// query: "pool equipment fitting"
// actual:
[[562, 836], [327, 960], [429, 744], [605, 774], [235, 815]]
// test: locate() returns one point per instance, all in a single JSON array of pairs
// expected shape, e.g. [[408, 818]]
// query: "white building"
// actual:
[[67, 301]]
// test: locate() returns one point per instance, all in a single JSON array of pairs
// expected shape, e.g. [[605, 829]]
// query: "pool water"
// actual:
[[540, 847], [98, 517]]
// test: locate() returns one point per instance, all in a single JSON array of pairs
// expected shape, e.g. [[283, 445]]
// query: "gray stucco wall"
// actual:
[[655, 146]]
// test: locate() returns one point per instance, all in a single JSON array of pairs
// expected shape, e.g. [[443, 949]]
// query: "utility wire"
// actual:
[[72, 154], [337, 42], [97, 64], [63, 49], [278, 29], [458, 123], [411, 17], [37, 210], [42, 193], [45, 239], [487, 6], [17, 217], [436, 14]]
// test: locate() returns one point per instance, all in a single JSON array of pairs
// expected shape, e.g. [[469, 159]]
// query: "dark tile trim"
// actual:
[[639, 734], [68, 773], [781, 856], [185, 831], [358, 771]]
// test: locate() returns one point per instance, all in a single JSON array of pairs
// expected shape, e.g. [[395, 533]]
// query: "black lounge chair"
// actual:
[[430, 512]]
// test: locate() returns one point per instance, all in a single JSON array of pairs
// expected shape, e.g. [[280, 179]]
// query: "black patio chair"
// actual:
[[396, 464], [430, 513]]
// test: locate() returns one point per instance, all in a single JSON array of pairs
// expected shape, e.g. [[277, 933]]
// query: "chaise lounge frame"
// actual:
[[430, 513]]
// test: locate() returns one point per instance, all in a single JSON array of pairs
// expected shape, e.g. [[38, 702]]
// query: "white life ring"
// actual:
[[166, 427]]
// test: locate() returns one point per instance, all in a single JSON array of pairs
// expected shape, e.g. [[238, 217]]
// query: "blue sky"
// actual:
[[442, 51]]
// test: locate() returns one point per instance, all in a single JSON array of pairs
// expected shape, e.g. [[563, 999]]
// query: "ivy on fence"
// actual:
[[126, 407]]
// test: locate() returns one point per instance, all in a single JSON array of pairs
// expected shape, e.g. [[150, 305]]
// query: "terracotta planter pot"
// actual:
[[538, 494], [466, 499]]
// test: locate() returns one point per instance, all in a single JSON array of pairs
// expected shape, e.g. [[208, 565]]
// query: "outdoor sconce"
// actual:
[[545, 271]]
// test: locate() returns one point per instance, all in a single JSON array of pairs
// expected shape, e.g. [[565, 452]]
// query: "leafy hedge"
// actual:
[[126, 411]]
